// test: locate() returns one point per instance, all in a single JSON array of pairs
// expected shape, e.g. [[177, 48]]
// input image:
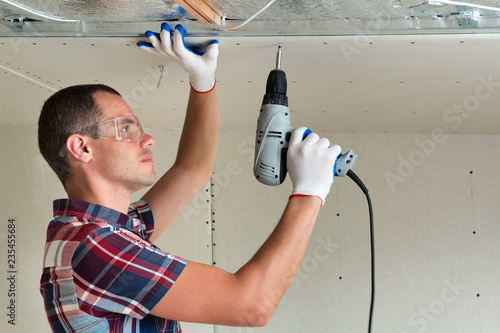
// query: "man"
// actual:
[[102, 272]]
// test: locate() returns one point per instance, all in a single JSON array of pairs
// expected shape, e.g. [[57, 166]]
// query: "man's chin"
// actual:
[[147, 181], [151, 180]]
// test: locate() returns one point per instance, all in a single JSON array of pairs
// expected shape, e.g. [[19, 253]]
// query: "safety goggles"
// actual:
[[126, 128]]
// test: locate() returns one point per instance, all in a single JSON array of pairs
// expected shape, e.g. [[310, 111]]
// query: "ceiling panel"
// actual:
[[394, 84], [404, 66]]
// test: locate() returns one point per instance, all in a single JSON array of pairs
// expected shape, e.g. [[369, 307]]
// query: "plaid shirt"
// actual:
[[100, 274]]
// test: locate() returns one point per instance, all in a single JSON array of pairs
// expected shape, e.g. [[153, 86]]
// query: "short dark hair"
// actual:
[[67, 112]]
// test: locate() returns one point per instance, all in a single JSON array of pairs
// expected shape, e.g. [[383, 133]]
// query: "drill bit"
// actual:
[[278, 57]]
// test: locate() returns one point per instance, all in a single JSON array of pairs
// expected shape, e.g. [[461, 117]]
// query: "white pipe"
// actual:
[[252, 17], [437, 2]]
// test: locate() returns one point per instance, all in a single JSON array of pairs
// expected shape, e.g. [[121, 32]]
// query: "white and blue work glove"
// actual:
[[311, 164], [200, 66]]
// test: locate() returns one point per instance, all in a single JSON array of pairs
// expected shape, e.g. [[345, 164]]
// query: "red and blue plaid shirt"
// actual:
[[101, 274]]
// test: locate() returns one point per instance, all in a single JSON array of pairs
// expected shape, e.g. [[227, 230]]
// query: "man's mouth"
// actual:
[[148, 159]]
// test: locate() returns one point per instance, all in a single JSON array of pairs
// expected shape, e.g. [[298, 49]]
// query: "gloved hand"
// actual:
[[200, 66], [311, 164]]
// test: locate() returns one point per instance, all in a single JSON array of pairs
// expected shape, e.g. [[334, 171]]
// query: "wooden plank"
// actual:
[[202, 10]]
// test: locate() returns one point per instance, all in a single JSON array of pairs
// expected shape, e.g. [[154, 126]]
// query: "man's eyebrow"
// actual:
[[127, 120]]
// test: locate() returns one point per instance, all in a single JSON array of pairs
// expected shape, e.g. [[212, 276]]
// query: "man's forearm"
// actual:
[[198, 143]]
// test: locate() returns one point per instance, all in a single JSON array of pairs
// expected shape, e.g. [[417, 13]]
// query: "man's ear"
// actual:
[[77, 146]]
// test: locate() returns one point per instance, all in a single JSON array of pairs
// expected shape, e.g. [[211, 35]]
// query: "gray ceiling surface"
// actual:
[[302, 17], [401, 66]]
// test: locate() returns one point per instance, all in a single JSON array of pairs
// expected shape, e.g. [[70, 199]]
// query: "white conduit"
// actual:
[[457, 3]]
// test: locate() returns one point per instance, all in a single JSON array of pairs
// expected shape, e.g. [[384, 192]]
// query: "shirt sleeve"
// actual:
[[117, 271]]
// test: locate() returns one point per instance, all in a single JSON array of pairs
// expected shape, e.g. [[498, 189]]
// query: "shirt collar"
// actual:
[[93, 212]]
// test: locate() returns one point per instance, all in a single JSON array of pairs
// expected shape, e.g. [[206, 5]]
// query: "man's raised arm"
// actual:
[[198, 144]]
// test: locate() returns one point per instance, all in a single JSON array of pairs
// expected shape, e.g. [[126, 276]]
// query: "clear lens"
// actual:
[[128, 128], [121, 128]]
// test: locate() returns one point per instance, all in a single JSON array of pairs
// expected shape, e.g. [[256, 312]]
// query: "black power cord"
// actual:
[[363, 188]]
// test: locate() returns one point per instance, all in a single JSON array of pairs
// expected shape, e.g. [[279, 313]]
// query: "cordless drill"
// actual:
[[274, 131]]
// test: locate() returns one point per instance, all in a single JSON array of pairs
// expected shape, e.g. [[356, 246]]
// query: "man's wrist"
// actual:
[[203, 88], [306, 197]]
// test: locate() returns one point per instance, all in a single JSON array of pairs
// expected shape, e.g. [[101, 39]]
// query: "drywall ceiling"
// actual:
[[394, 84], [402, 66]]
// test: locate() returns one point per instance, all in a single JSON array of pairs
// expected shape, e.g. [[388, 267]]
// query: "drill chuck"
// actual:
[[276, 88]]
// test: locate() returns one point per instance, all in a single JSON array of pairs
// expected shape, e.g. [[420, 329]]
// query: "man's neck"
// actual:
[[106, 196]]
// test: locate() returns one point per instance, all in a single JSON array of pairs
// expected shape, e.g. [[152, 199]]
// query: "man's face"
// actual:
[[128, 164]]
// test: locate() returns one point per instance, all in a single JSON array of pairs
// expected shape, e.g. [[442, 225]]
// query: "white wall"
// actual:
[[433, 273]]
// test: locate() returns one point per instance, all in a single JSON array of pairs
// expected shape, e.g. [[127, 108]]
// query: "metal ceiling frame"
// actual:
[[456, 24], [204, 20]]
